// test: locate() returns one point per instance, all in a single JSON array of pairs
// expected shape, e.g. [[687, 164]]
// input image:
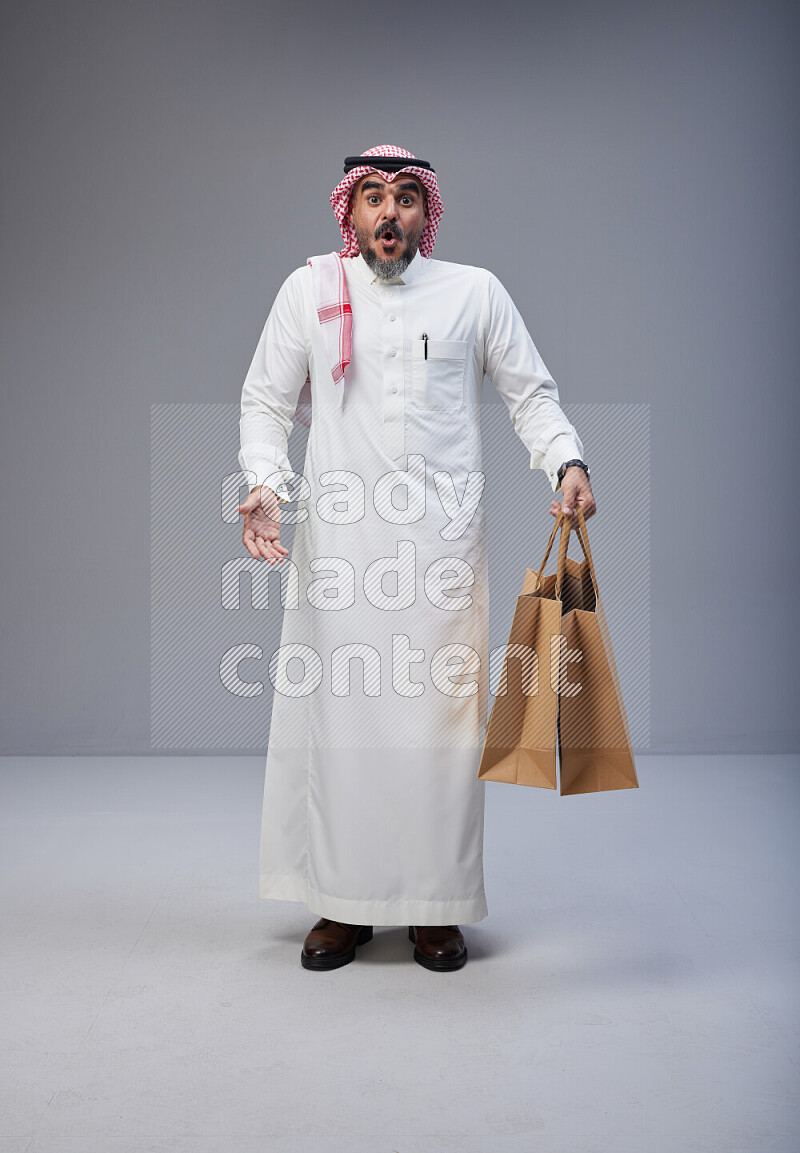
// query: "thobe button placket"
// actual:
[[393, 369]]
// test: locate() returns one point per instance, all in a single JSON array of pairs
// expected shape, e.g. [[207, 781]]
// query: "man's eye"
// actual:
[[372, 198]]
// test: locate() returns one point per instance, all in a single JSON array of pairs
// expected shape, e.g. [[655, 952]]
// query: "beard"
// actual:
[[388, 269]]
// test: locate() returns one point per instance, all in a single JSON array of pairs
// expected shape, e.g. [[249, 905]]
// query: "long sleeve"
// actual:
[[272, 386], [518, 373]]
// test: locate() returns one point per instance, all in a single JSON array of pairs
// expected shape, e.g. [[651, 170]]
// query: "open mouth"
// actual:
[[388, 240]]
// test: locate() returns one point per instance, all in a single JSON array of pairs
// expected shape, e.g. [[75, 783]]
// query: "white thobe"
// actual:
[[372, 811]]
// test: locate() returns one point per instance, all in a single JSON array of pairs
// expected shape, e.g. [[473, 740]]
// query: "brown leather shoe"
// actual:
[[330, 944], [438, 947]]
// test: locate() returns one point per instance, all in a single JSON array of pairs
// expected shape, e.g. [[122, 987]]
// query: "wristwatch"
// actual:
[[568, 464]]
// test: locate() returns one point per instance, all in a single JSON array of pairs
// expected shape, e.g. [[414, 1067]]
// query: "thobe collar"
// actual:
[[410, 276]]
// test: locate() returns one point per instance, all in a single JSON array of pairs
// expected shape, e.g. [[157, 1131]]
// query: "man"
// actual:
[[373, 812]]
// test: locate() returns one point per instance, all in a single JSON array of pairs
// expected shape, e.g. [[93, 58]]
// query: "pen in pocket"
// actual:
[[425, 339]]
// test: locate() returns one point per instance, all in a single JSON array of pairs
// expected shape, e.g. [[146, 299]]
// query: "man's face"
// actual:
[[389, 217]]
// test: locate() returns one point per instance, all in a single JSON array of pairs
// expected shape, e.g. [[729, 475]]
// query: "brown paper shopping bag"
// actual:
[[594, 745], [559, 687], [520, 743]]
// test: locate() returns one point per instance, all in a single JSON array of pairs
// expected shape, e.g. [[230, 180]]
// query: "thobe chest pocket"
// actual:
[[437, 380]]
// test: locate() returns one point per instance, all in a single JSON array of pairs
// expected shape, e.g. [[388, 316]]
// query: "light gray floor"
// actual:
[[633, 989]]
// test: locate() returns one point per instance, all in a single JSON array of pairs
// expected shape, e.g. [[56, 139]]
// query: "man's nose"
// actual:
[[389, 208]]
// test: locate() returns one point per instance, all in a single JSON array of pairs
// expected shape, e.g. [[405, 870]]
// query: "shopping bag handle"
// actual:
[[547, 550], [562, 522], [583, 538]]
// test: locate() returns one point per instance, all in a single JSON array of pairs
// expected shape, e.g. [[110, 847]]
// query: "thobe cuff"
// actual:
[[268, 465], [563, 447]]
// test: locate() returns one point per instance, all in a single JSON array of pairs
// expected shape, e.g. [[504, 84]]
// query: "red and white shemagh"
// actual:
[[329, 282], [332, 301]]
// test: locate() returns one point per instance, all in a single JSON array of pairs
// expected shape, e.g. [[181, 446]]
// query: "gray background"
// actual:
[[627, 170]]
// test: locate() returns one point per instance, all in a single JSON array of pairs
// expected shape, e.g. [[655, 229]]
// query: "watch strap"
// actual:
[[568, 464]]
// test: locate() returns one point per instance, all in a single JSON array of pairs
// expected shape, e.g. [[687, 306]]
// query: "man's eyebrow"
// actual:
[[406, 186]]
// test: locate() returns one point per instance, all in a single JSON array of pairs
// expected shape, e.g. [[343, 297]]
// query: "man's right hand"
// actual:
[[261, 534]]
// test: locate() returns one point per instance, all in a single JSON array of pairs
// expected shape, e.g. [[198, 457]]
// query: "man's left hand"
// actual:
[[575, 490]]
